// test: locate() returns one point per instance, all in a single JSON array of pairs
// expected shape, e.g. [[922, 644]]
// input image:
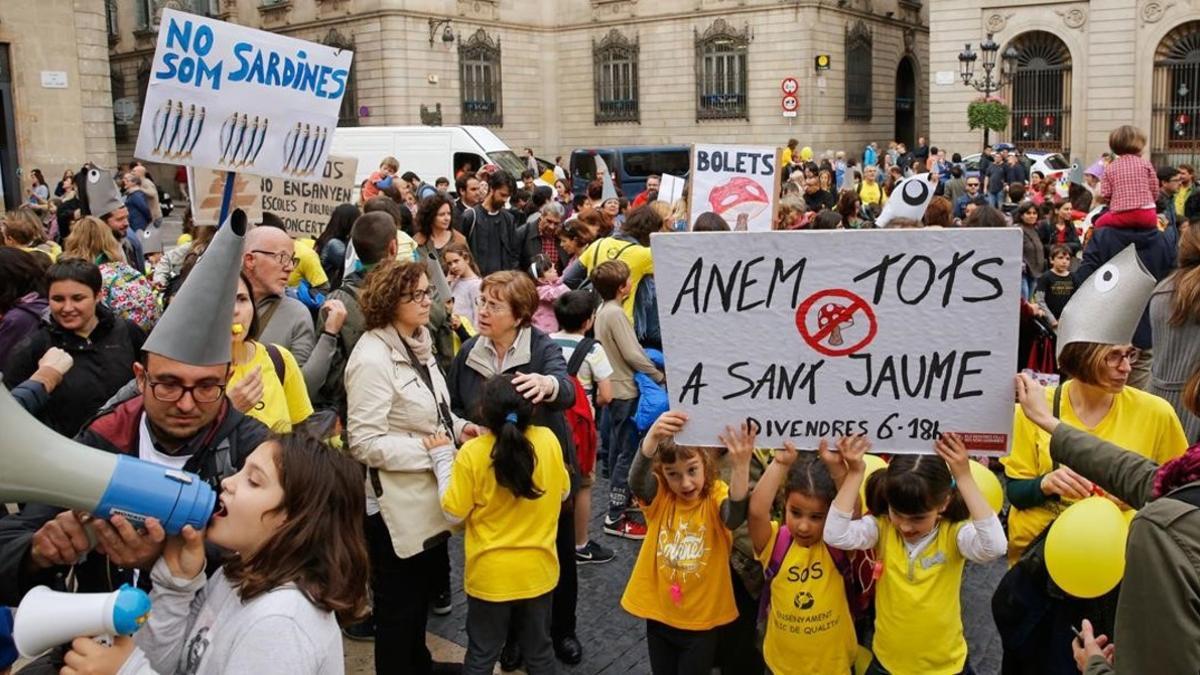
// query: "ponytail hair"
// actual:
[[506, 412], [915, 484], [809, 476]]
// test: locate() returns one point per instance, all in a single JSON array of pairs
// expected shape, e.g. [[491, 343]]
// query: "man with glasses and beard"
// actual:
[[960, 204], [178, 417]]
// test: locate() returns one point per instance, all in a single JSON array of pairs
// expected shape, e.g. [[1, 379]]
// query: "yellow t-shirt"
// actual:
[[870, 193], [510, 540], [809, 628], [1139, 422], [309, 265], [681, 577], [283, 404], [918, 620], [786, 158], [635, 255]]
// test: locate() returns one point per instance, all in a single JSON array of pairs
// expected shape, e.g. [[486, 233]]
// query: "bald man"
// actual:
[[151, 191], [267, 261]]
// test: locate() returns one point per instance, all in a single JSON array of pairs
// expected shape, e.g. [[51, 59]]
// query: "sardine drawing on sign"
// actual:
[[302, 148], [177, 127], [241, 139]]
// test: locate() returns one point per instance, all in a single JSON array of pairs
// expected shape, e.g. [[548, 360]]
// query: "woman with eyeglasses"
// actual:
[[266, 383], [103, 346], [508, 344], [397, 398]]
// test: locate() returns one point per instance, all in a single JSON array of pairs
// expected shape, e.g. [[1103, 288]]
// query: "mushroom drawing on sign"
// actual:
[[832, 312], [740, 200]]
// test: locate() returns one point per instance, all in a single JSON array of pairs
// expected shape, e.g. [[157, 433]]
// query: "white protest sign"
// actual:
[[304, 207], [737, 182], [230, 98], [670, 188], [896, 334]]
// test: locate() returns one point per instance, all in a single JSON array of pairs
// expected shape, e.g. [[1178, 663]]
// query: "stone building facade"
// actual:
[[55, 105], [560, 74], [1083, 68]]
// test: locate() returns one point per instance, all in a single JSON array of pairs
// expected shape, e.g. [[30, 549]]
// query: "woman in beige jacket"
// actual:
[[397, 397]]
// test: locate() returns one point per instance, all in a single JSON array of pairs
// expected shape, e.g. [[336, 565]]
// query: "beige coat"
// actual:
[[389, 411]]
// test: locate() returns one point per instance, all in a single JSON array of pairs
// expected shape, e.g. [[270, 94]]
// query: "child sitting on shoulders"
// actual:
[[1130, 183]]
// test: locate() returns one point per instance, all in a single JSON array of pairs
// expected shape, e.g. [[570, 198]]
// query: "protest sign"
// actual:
[[896, 334], [737, 182], [670, 188], [230, 98], [304, 207]]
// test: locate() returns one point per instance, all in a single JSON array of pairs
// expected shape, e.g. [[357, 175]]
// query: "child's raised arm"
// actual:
[[983, 538], [641, 479], [763, 497], [842, 530], [740, 444]]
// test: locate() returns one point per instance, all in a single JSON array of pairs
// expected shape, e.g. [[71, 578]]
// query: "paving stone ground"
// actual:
[[615, 642]]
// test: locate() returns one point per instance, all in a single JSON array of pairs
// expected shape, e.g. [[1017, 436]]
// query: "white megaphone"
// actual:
[[37, 465], [48, 618]]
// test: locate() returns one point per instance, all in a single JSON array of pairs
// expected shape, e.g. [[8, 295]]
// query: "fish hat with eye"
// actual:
[[98, 193], [910, 198], [1106, 308], [195, 329]]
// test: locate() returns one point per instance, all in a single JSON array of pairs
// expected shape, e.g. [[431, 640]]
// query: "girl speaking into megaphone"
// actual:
[[292, 520]]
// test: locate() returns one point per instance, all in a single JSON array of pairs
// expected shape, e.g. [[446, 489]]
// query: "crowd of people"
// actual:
[[480, 356]]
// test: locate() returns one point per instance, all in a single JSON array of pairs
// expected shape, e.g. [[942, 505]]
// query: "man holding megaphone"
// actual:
[[180, 418]]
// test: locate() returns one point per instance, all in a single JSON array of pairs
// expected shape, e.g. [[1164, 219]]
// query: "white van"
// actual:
[[429, 152]]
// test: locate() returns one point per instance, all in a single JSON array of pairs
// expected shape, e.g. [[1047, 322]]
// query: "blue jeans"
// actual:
[[1028, 286], [996, 199], [622, 443]]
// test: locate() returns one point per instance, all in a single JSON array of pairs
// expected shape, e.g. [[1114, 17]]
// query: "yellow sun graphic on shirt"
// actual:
[[682, 550]]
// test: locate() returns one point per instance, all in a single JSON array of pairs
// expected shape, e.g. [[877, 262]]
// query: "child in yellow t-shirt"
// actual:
[[508, 486], [921, 536], [255, 387], [809, 625], [681, 582]]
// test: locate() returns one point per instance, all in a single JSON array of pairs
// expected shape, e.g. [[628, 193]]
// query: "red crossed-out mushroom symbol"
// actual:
[[833, 313]]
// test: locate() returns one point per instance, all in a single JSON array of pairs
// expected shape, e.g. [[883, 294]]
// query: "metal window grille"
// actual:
[[144, 12], [721, 72], [858, 71], [481, 91], [348, 113], [1040, 94], [110, 18], [117, 83], [1174, 130], [616, 78]]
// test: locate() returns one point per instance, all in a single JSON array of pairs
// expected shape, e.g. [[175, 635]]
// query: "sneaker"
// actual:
[[442, 604], [625, 527], [593, 553], [363, 631]]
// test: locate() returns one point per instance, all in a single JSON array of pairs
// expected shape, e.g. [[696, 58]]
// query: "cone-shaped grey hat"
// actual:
[[610, 188], [99, 195], [1108, 305], [195, 329]]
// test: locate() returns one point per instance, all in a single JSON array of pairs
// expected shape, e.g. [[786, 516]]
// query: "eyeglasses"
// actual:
[[169, 392], [420, 295], [282, 257], [1114, 358], [491, 307]]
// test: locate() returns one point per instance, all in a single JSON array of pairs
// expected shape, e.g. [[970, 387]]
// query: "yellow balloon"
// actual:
[[863, 660], [1129, 514], [1085, 548], [874, 463], [989, 485]]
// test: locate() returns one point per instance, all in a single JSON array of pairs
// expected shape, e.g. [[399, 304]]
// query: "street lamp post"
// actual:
[[990, 81]]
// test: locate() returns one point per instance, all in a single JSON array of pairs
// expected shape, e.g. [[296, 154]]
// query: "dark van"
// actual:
[[631, 164]]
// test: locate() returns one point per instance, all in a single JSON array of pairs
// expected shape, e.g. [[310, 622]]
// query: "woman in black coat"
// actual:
[[1059, 228], [102, 344], [507, 343]]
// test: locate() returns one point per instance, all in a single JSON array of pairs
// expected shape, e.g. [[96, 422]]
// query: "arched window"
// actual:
[[348, 114], [1040, 93], [1175, 132], [721, 72], [616, 78], [479, 70], [858, 71]]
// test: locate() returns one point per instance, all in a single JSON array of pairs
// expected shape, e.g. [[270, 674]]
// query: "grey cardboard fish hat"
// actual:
[[196, 328], [910, 198], [1075, 175], [609, 187], [98, 193], [1106, 308]]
